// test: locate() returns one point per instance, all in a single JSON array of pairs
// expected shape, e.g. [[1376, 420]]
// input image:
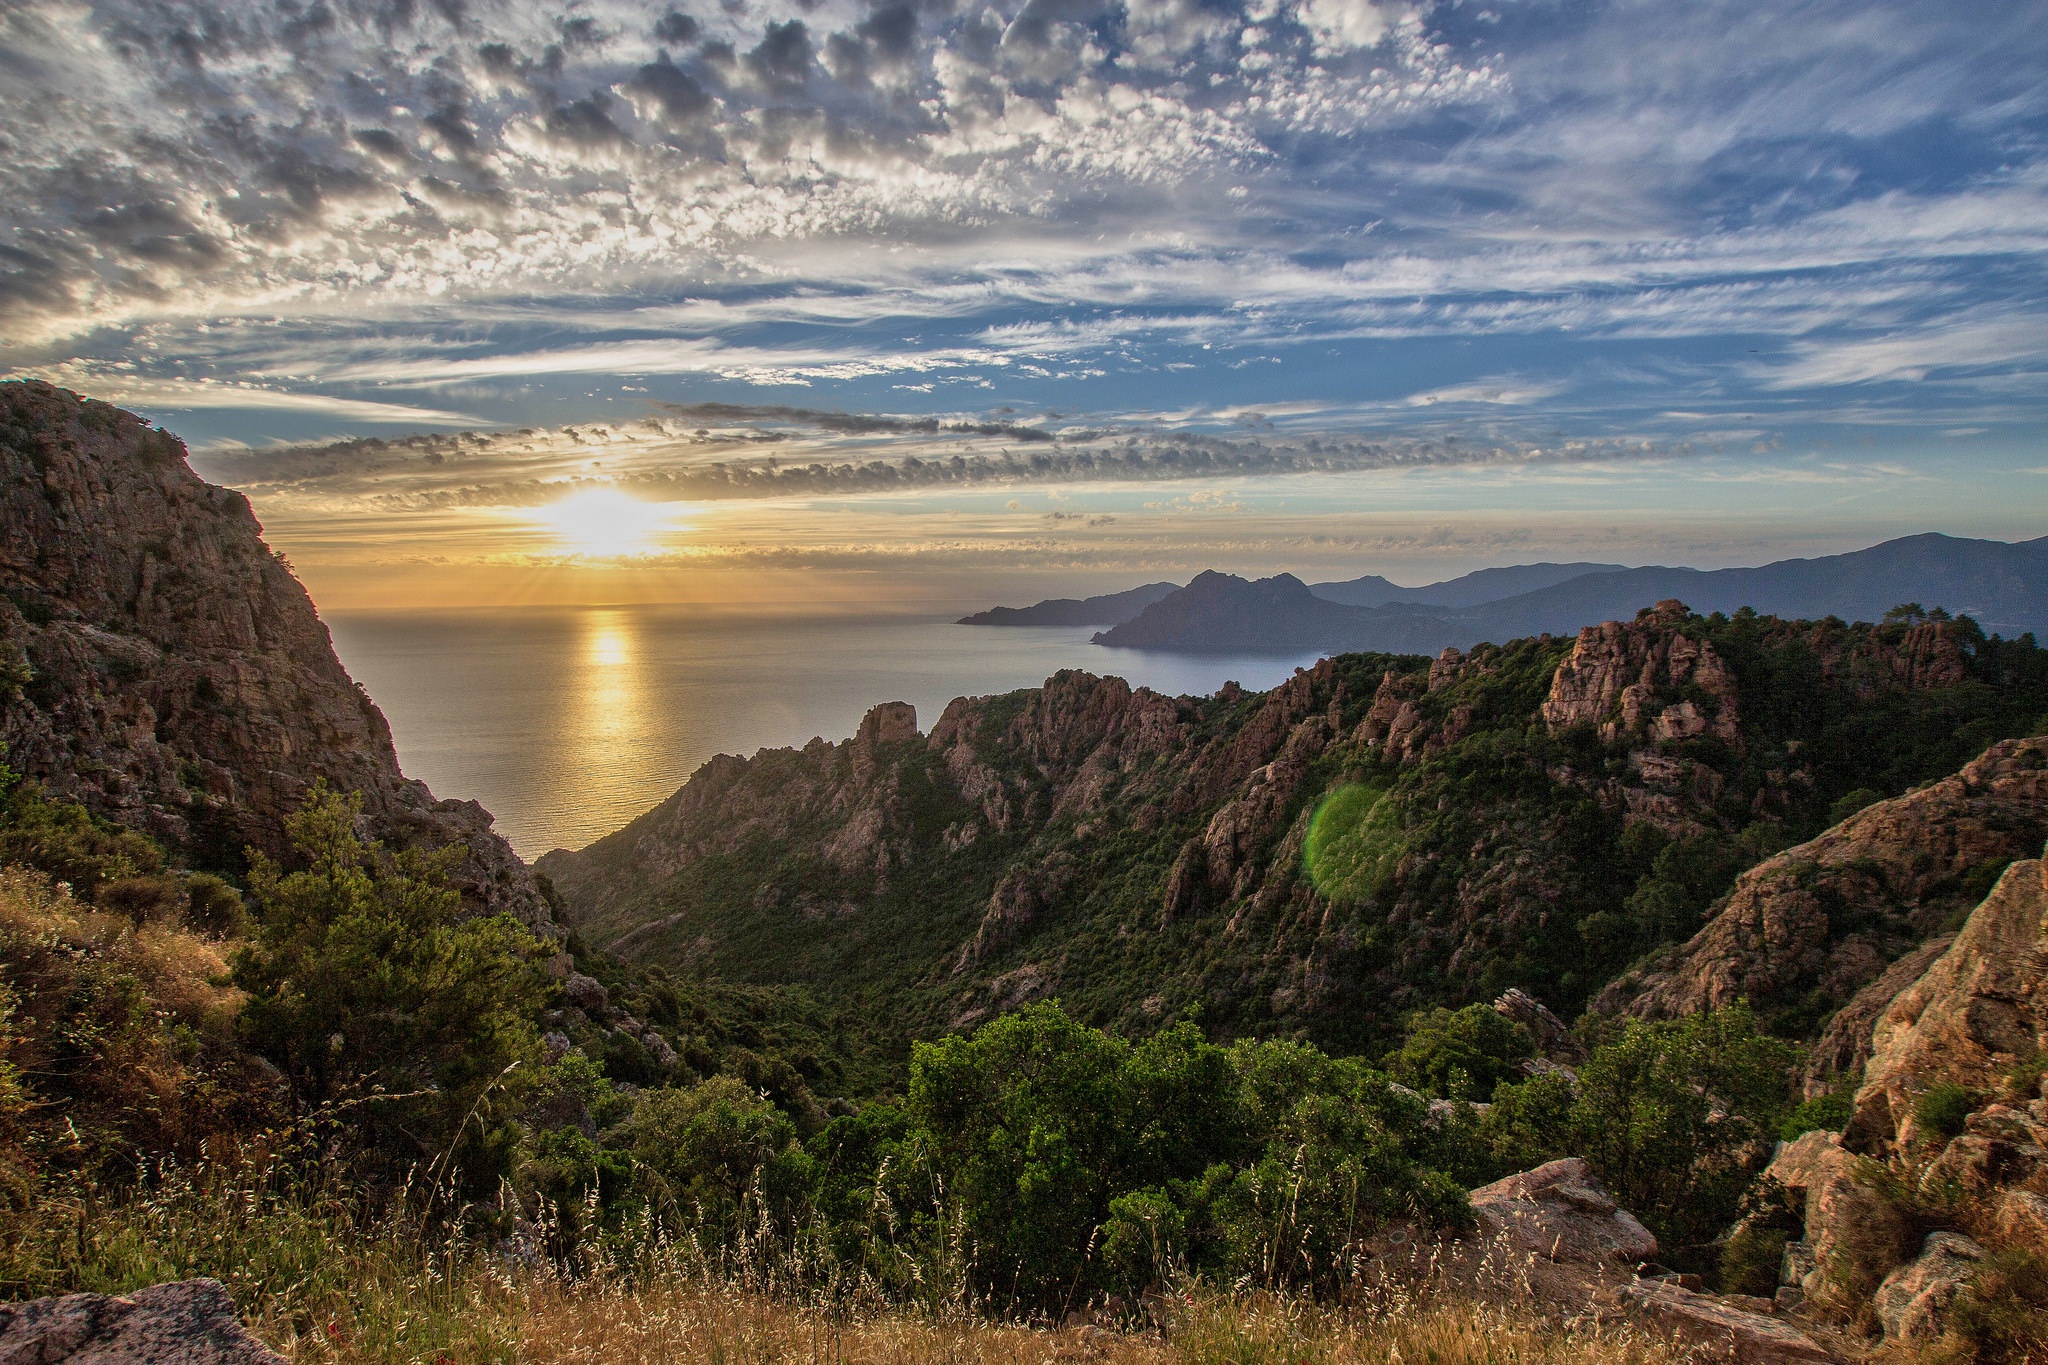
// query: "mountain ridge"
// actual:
[[1379, 833], [1108, 609], [2003, 585]]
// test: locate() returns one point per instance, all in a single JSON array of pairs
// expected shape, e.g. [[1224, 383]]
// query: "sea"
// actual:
[[566, 723]]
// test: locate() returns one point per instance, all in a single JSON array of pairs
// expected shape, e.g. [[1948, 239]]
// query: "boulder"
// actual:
[[1856, 1237], [1554, 1041], [1913, 1301], [1730, 1330], [2022, 1220], [191, 1322], [1560, 1212], [588, 994], [1977, 1163], [1851, 1238], [1977, 1011], [1810, 1161]]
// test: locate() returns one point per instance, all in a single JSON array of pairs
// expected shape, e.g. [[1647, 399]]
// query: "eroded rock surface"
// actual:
[[1559, 1211], [1977, 1011], [190, 1322], [161, 666], [1574, 1250], [1822, 920], [1728, 1330]]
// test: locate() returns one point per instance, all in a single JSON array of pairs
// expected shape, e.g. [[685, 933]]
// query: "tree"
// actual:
[[1461, 1054], [1673, 1116], [367, 986]]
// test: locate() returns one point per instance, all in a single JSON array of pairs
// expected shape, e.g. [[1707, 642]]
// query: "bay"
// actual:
[[568, 722]]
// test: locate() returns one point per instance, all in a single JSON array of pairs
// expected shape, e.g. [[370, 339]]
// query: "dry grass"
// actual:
[[698, 1325], [325, 1282]]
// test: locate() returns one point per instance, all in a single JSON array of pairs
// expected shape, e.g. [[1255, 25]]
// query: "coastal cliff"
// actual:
[[160, 664]]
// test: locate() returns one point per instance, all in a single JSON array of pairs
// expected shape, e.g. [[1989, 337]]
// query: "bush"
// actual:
[[1830, 1112], [703, 1150], [1674, 1117], [2002, 1314], [1752, 1259], [1845, 806], [68, 842], [1942, 1110]]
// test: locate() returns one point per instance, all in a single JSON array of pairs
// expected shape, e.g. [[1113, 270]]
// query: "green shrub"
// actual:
[[1751, 1260], [1943, 1109], [1461, 1054], [1672, 1116], [368, 988], [68, 842], [1830, 1112], [2002, 1314]]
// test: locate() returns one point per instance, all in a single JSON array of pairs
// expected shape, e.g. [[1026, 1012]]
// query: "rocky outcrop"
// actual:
[[1448, 865], [1914, 1300], [1576, 1251], [191, 1322], [1554, 1041], [1843, 1048], [1625, 681], [1823, 920], [1720, 1327], [160, 665], [1850, 1236], [1979, 1010]]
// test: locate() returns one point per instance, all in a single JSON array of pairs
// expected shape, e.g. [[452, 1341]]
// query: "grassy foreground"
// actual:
[[320, 1281]]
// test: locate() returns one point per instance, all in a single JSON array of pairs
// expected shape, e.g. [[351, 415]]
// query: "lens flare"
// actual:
[[1354, 843]]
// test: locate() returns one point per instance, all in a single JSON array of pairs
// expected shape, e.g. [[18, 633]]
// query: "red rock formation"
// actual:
[[179, 679], [1619, 679], [1832, 913]]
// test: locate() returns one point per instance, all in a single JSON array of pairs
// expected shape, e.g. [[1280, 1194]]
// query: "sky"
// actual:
[[910, 301]]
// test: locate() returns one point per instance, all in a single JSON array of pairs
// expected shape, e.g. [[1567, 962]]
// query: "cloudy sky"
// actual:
[[933, 298]]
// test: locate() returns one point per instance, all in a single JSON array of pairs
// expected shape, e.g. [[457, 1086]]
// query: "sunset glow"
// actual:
[[605, 523]]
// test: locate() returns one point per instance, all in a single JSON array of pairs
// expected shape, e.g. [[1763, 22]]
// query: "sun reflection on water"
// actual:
[[612, 736]]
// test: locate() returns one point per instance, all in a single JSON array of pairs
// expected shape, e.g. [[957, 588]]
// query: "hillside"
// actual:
[[2004, 587], [1379, 833], [160, 665]]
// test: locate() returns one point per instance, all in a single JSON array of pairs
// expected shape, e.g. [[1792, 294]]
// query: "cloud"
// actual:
[[717, 452], [170, 396], [1174, 199]]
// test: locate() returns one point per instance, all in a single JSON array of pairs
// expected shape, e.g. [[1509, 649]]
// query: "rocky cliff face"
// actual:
[[1375, 834], [1818, 923], [160, 665], [1969, 1028], [1977, 1014]]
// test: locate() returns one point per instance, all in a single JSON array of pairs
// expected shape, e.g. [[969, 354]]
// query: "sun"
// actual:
[[604, 523]]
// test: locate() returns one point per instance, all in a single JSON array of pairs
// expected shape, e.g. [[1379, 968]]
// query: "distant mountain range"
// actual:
[[2003, 586], [1108, 610], [1486, 585]]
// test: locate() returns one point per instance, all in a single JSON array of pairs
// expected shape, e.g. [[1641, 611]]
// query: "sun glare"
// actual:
[[604, 523]]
